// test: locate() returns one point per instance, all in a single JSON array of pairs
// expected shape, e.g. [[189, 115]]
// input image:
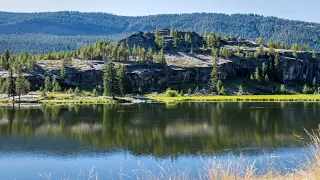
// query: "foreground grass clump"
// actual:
[[253, 98]]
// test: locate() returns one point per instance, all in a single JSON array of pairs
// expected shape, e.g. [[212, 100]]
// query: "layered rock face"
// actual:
[[154, 77], [182, 67]]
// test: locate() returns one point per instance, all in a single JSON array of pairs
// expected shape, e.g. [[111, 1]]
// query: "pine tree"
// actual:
[[134, 52], [218, 86], [77, 91], [161, 57], [43, 92], [305, 89], [95, 92], [257, 75], [314, 83], [55, 86], [260, 40], [277, 66], [264, 69], [238, 53], [270, 43], [5, 60], [2, 85], [282, 89], [22, 85], [70, 91], [251, 77], [63, 72], [314, 56], [214, 73], [189, 91], [47, 84], [187, 38], [110, 80], [176, 43], [150, 55], [10, 85], [122, 80], [266, 78], [172, 32], [222, 91], [158, 39], [240, 91]]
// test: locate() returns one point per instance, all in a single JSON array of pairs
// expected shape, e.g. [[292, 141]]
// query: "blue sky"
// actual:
[[306, 10]]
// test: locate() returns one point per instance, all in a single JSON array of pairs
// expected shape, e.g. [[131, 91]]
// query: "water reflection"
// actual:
[[160, 129]]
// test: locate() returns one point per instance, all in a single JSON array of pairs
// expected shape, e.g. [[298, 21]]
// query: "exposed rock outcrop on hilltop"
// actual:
[[182, 67]]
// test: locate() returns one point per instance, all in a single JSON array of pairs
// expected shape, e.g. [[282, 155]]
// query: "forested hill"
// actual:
[[93, 26]]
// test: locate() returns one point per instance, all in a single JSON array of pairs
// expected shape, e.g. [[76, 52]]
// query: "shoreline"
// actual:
[[66, 99], [240, 98]]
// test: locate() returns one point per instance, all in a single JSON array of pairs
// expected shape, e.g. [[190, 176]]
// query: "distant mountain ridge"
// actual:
[[70, 23]]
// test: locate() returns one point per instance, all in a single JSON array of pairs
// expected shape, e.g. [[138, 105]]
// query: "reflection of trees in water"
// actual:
[[155, 129]]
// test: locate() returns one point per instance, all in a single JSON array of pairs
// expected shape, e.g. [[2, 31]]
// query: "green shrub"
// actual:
[[171, 93]]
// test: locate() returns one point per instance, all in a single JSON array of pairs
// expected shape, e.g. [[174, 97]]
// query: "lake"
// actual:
[[122, 140]]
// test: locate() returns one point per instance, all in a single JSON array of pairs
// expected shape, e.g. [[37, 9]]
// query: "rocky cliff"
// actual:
[[182, 67]]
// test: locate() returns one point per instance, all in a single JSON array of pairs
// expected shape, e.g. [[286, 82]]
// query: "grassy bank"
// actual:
[[71, 99], [35, 98], [244, 98]]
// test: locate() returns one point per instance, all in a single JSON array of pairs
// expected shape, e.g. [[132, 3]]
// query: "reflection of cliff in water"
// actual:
[[187, 128]]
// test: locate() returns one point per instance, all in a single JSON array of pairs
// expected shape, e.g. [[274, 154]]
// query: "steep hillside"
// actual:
[[102, 24]]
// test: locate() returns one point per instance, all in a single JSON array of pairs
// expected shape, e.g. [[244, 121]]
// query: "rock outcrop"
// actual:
[[182, 68]]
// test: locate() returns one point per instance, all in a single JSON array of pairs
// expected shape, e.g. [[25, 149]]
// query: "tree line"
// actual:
[[64, 24]]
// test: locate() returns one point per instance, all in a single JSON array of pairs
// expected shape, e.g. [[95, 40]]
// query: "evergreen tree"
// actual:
[[271, 43], [110, 80], [43, 92], [187, 38], [63, 72], [238, 53], [222, 91], [264, 69], [277, 70], [2, 85], [10, 85], [314, 83], [257, 74], [77, 91], [122, 80], [70, 91], [176, 43], [251, 77], [47, 84], [150, 55], [134, 52], [271, 52], [214, 73], [95, 92], [55, 86], [240, 91], [189, 91], [158, 39], [266, 78], [305, 89], [22, 85], [282, 89], [314, 56], [260, 40]]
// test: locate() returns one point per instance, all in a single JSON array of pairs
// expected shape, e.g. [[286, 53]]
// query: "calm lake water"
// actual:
[[66, 142]]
